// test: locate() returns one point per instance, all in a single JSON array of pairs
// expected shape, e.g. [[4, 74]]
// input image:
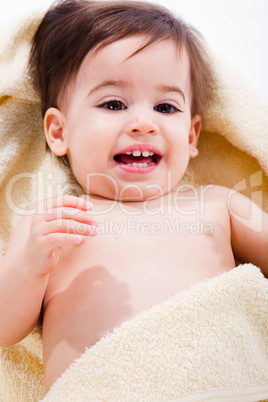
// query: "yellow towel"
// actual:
[[233, 153], [209, 340]]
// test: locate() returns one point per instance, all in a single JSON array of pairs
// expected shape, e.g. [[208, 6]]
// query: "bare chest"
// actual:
[[150, 256], [137, 260]]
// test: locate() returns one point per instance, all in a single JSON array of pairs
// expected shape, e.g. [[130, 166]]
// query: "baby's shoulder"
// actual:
[[205, 200], [207, 192], [223, 197]]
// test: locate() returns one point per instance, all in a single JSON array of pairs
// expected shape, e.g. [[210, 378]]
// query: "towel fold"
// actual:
[[211, 338]]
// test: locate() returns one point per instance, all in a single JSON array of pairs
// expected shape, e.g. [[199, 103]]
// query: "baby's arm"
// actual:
[[32, 254], [249, 231]]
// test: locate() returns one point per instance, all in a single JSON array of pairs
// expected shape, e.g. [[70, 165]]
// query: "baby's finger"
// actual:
[[55, 240], [70, 227], [69, 214], [68, 201]]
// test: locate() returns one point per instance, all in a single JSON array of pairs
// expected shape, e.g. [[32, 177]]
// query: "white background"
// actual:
[[236, 30]]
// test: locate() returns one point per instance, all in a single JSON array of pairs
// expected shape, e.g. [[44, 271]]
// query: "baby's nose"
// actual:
[[141, 126]]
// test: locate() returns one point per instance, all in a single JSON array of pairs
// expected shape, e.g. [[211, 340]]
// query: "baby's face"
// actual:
[[128, 130]]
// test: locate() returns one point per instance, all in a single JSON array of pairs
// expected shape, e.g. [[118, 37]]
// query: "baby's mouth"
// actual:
[[137, 158]]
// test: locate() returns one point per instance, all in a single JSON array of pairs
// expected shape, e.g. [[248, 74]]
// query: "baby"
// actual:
[[123, 88]]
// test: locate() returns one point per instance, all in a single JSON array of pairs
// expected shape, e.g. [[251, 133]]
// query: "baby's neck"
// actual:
[[160, 204]]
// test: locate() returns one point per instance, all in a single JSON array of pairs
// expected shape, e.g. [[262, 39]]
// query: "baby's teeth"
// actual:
[[145, 154], [134, 164], [136, 153]]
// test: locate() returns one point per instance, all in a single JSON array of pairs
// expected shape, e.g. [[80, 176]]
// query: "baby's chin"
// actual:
[[132, 195], [133, 191]]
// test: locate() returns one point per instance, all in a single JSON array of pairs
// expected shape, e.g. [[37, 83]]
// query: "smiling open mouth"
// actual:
[[138, 159]]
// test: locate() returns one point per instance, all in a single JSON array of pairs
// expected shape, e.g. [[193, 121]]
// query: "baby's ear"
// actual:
[[55, 131], [194, 135]]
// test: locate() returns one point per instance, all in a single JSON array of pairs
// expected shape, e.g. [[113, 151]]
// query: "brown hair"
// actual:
[[72, 28]]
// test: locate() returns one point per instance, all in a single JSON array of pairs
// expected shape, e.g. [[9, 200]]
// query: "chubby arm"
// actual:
[[249, 231], [33, 253]]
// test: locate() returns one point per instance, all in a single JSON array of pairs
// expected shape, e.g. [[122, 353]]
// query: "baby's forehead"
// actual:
[[134, 44], [114, 63], [125, 49]]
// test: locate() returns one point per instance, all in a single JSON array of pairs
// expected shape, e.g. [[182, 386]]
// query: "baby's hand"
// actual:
[[57, 222]]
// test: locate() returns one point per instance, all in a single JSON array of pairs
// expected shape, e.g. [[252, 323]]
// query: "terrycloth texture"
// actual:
[[207, 343], [220, 325], [212, 336], [27, 171]]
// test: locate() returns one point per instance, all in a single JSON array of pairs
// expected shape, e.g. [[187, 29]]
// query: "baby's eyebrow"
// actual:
[[108, 83], [171, 88], [123, 84]]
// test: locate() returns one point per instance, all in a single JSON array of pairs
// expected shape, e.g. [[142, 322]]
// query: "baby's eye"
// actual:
[[166, 108], [113, 105]]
